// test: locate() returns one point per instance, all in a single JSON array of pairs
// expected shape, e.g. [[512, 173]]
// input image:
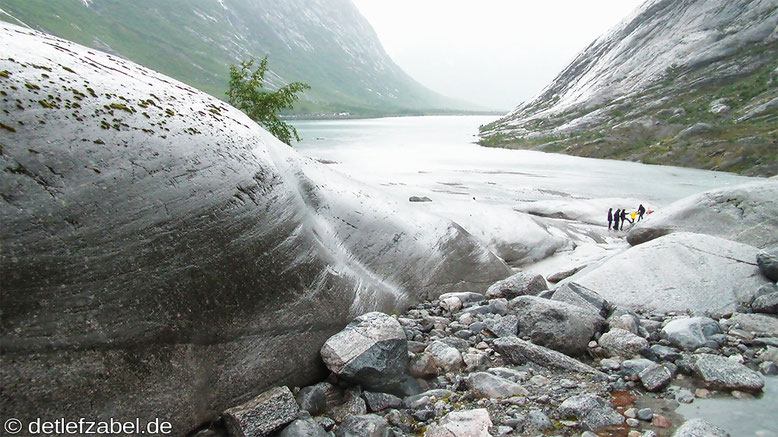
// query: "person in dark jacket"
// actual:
[[623, 218], [610, 218], [616, 218], [641, 211]]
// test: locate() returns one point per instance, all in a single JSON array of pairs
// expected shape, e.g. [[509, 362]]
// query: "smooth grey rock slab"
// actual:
[[520, 284], [679, 272], [592, 411], [517, 351], [557, 325], [719, 372], [743, 213], [263, 414]]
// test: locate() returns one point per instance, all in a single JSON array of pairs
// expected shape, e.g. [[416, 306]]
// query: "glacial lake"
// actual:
[[436, 156]]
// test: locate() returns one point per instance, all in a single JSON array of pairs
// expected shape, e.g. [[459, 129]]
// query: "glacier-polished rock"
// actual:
[[164, 256]]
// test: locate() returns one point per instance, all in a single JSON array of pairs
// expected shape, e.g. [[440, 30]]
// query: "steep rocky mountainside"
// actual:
[[681, 82], [163, 256], [327, 44]]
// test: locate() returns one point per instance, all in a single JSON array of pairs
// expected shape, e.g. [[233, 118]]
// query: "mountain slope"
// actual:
[[327, 44], [682, 82]]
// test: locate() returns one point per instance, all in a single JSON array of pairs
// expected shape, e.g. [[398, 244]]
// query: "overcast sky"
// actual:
[[494, 53]]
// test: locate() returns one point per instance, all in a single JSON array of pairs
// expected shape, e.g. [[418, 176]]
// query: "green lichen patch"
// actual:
[[6, 127], [48, 105], [41, 67], [122, 107], [32, 86], [92, 92], [5, 74], [69, 70], [98, 141]]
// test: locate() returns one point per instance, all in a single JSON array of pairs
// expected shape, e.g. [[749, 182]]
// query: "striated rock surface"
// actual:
[[679, 272], [163, 255], [743, 213]]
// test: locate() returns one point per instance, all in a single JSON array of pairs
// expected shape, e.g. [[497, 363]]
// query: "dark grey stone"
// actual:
[[380, 401], [303, 428], [666, 353], [367, 425], [767, 304], [371, 351], [645, 414], [312, 399], [261, 415], [768, 263]]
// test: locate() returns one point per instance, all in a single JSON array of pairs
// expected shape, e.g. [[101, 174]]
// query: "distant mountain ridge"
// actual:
[[327, 44], [682, 82]]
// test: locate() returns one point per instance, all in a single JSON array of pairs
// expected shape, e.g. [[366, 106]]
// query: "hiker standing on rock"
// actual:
[[616, 218], [623, 218], [610, 218], [641, 211]]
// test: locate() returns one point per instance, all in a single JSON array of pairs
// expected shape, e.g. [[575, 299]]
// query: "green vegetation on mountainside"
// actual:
[[332, 48]]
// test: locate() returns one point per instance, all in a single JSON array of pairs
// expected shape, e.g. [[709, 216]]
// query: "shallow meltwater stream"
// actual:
[[740, 417]]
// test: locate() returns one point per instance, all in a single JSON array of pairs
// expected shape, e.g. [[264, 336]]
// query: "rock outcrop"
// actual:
[[163, 255], [679, 272], [744, 213]]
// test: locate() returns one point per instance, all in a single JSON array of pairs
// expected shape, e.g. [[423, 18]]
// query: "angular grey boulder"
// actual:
[[380, 401], [621, 343], [557, 325], [502, 326], [767, 304], [487, 385], [722, 373], [578, 295], [261, 415], [371, 351], [743, 213], [517, 351], [520, 284], [699, 428], [592, 411], [656, 377], [768, 263]]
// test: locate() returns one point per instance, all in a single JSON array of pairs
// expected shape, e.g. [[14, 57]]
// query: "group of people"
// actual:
[[616, 219]]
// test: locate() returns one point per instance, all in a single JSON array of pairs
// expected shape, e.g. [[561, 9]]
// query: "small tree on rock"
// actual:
[[247, 93]]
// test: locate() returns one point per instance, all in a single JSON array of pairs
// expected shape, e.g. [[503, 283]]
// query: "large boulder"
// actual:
[[722, 373], [520, 284], [578, 295], [163, 255], [557, 325], [371, 351], [743, 213], [690, 333], [679, 272]]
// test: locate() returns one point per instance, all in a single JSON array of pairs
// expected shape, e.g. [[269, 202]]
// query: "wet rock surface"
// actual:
[[157, 237]]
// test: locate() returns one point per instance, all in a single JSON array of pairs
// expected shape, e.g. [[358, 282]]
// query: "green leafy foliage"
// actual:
[[247, 93]]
